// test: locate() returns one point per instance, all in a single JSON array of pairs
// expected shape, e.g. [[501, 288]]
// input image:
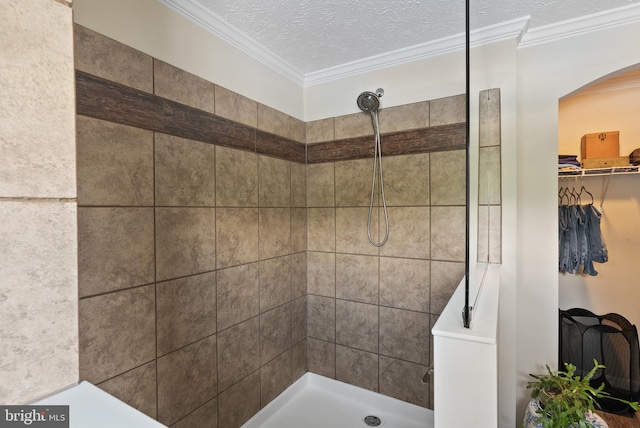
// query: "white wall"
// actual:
[[615, 288]]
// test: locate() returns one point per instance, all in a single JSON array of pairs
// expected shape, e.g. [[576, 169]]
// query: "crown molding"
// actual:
[[582, 25]]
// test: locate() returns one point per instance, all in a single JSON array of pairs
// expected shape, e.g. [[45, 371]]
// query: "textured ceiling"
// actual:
[[312, 35]]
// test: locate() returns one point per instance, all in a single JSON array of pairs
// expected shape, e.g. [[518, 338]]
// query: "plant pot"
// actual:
[[531, 416]]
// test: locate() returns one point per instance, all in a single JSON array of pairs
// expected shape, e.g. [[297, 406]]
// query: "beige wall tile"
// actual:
[[115, 163], [275, 332], [275, 282], [448, 233], [298, 230], [115, 249], [184, 171], [406, 180], [320, 185], [444, 111], [185, 311], [275, 377], [404, 117], [238, 352], [357, 325], [321, 229], [137, 388], [178, 85], [321, 273], [353, 183], [489, 180], [297, 130], [185, 241], [353, 125], [356, 367], [238, 294], [299, 319], [483, 233], [117, 333], [319, 131], [298, 360], [187, 378], [275, 182], [273, 121], [402, 380], [321, 357], [237, 236], [236, 178], [321, 318], [298, 275], [445, 278], [495, 234], [275, 232], [408, 233], [448, 178], [404, 334], [205, 417], [357, 278], [104, 57], [404, 283], [351, 231], [298, 185], [236, 107], [489, 126], [240, 402]]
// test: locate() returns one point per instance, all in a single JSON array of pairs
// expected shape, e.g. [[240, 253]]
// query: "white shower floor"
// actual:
[[318, 402]]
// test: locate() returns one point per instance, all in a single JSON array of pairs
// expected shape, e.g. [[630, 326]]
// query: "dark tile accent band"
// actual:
[[272, 145], [433, 139]]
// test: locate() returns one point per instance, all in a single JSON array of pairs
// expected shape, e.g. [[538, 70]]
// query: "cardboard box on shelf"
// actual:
[[600, 145], [605, 162]]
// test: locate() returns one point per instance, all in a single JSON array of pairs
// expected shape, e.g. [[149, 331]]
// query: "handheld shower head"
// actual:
[[368, 101]]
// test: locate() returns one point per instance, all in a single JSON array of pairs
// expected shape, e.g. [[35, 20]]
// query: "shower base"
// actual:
[[315, 401]]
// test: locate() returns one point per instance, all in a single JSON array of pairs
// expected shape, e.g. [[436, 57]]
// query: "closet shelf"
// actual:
[[617, 170]]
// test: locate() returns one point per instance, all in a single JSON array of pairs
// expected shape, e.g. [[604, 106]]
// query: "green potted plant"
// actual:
[[562, 400]]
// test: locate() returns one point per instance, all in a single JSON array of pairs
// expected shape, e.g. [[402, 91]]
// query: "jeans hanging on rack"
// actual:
[[580, 239], [597, 247]]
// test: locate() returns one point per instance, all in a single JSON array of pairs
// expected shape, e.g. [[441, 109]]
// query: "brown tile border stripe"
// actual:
[[425, 140], [102, 99]]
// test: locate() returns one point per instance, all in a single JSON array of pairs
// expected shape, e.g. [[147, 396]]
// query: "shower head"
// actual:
[[368, 101]]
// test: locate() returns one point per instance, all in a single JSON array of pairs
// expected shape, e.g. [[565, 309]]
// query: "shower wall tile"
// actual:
[[409, 233], [185, 241], [274, 182], [404, 283], [444, 111], [236, 178], [403, 380], [353, 183], [275, 377], [298, 230], [238, 352], [203, 417], [237, 236], [321, 357], [404, 335], [319, 131], [321, 318], [404, 117], [351, 231], [489, 182], [114, 163], [448, 178], [357, 278], [275, 332], [186, 311], [298, 185], [321, 271], [238, 294], [406, 180], [298, 319], [489, 120], [275, 282], [445, 278], [489, 233], [186, 380], [321, 229], [184, 171], [274, 232], [353, 125], [273, 121], [115, 249], [298, 360], [240, 402], [178, 85], [320, 185], [117, 333], [357, 325], [104, 57], [357, 367], [298, 275], [236, 107], [297, 130], [136, 387], [448, 233]]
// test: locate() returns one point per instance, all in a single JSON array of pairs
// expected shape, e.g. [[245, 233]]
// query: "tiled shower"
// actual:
[[212, 276]]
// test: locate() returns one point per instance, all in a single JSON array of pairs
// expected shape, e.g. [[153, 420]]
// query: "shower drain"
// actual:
[[372, 421]]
